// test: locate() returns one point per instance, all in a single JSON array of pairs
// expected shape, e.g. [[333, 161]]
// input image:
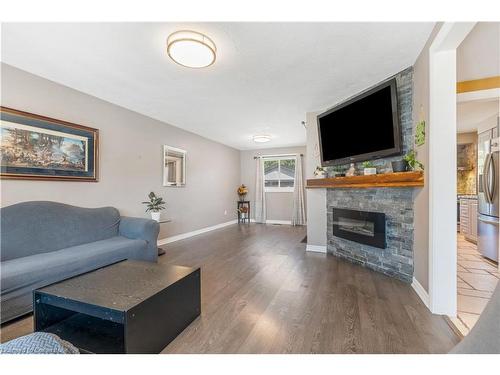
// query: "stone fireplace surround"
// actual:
[[396, 259]]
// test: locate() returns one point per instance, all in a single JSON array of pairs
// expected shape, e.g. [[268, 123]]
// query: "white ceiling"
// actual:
[[479, 54], [471, 114], [266, 77]]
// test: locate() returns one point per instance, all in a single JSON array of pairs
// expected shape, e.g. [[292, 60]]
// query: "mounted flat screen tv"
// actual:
[[362, 128]]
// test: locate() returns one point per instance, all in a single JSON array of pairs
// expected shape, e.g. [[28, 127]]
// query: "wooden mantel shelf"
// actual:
[[395, 180]]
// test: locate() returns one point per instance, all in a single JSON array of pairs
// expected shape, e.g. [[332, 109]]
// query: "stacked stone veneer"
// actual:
[[397, 203]]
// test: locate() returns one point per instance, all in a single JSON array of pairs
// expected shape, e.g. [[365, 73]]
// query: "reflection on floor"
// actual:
[[477, 278]]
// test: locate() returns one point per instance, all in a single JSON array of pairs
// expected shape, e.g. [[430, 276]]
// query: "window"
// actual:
[[279, 174]]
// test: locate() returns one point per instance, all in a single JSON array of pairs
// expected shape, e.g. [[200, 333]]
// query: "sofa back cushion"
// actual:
[[37, 227]]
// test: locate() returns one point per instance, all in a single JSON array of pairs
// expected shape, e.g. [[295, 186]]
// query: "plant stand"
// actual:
[[161, 251], [243, 217]]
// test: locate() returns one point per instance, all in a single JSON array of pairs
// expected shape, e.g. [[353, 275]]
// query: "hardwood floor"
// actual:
[[262, 293]]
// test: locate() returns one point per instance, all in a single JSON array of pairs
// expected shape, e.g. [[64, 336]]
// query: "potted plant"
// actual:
[[242, 192], [368, 168], [319, 172], [154, 205], [411, 161]]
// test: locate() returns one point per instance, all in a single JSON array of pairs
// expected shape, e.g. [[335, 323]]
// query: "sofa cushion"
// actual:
[[37, 227], [43, 269]]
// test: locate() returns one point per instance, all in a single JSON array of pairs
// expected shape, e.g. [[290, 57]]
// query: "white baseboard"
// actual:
[[421, 292], [316, 248], [281, 222], [183, 236]]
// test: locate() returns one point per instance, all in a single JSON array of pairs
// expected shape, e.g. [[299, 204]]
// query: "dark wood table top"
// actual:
[[119, 286]]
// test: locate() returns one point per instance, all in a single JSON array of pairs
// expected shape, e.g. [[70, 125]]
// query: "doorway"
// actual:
[[451, 255]]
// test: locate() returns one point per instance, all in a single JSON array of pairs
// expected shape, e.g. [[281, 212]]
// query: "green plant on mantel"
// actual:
[[411, 159], [368, 164]]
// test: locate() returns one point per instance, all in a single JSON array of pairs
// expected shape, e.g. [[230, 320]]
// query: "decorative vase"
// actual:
[[351, 171], [242, 197], [320, 174], [155, 215], [399, 166]]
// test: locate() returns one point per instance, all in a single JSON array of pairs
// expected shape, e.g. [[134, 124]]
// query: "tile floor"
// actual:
[[477, 278]]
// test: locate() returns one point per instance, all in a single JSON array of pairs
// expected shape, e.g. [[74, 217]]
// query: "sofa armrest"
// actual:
[[143, 229]]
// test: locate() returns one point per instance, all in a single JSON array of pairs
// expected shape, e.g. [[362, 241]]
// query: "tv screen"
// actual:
[[362, 128]]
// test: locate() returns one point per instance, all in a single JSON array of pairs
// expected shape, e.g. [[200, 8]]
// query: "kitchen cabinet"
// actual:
[[468, 219], [472, 236], [464, 216]]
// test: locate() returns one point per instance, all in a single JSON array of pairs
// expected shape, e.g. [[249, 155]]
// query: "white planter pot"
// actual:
[[156, 215], [369, 171], [320, 175]]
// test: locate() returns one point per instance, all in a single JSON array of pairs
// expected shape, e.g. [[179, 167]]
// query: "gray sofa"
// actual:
[[45, 242]]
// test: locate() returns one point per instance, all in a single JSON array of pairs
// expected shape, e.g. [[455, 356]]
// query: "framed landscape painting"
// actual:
[[34, 147]]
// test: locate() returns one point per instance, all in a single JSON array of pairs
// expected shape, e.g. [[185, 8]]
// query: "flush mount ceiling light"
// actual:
[[261, 138], [191, 49]]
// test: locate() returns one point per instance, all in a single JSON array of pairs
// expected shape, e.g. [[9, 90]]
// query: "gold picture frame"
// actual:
[[35, 147]]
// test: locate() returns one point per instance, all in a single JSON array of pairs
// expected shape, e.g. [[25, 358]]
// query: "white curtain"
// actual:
[[260, 197], [299, 208]]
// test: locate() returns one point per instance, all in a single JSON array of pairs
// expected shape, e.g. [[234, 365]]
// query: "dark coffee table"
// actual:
[[128, 307]]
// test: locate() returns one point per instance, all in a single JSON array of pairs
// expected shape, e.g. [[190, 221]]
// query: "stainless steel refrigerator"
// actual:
[[488, 174]]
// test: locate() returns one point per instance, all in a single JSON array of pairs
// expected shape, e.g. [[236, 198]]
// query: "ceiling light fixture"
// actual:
[[191, 49], [261, 138]]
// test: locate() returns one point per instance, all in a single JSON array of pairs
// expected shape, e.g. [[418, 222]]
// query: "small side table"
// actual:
[[243, 217], [160, 250]]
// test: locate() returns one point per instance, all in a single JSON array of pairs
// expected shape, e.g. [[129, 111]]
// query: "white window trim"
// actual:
[[274, 189], [279, 189]]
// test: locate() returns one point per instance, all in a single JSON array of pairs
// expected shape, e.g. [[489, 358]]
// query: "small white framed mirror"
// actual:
[[174, 166]]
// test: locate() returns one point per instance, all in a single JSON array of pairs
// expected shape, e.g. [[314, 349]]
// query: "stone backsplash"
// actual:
[[466, 173]]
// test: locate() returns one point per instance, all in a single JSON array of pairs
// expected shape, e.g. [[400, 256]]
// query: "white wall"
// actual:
[[316, 198], [130, 159], [421, 205]]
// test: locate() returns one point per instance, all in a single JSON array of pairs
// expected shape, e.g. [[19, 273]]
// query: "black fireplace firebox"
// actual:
[[360, 226]]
